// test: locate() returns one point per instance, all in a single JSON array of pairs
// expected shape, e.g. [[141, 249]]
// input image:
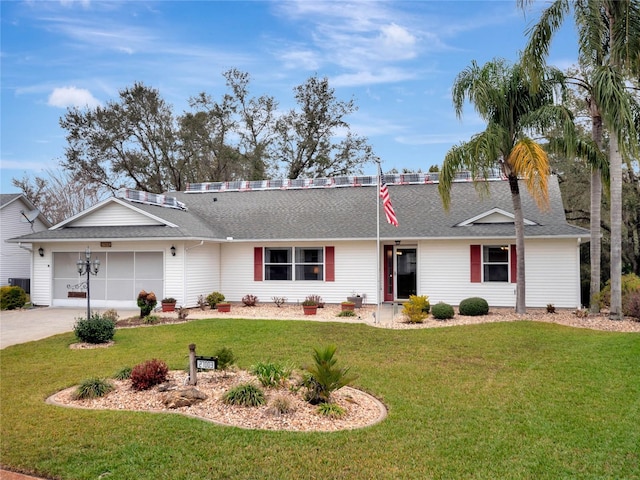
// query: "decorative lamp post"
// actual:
[[90, 268]]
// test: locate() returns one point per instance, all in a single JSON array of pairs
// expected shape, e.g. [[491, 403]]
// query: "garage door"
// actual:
[[121, 276]]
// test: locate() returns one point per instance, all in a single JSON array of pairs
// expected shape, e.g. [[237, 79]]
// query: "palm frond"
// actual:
[[531, 163]]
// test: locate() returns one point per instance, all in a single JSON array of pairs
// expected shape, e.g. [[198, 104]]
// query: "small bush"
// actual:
[[581, 313], [96, 329], [111, 314], [280, 405], [279, 301], [270, 374], [250, 300], [442, 311], [631, 306], [247, 395], [346, 313], [12, 297], [123, 374], [147, 302], [551, 308], [147, 374], [226, 358], [473, 307], [151, 319], [214, 298], [93, 388], [416, 309], [332, 410]]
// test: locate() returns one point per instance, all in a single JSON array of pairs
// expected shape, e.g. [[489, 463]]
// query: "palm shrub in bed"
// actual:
[[324, 377], [473, 307], [147, 374], [96, 329], [442, 311]]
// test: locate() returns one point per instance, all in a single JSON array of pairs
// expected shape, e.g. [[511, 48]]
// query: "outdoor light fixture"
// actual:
[[41, 252], [89, 268], [397, 242], [173, 251]]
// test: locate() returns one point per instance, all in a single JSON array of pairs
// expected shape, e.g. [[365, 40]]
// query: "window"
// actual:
[[277, 264], [309, 263], [300, 263], [495, 263]]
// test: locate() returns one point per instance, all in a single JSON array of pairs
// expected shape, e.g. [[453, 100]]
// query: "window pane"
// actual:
[[496, 254], [277, 272], [496, 273], [277, 255], [309, 255], [309, 272]]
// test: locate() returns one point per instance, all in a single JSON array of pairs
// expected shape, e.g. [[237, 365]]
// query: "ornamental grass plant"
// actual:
[[517, 400]]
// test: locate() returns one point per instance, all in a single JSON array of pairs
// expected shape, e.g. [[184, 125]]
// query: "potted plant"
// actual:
[[348, 305], [310, 305], [223, 307], [169, 304], [355, 298]]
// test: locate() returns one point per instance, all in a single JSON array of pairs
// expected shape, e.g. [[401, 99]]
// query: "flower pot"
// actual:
[[223, 307], [310, 309], [356, 300], [168, 307], [348, 306]]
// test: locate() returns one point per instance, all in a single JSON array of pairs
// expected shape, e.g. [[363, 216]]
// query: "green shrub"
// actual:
[[346, 313], [226, 358], [214, 298], [123, 374], [629, 283], [473, 307], [147, 374], [332, 410], [442, 311], [96, 329], [93, 388], [323, 377], [151, 319], [12, 297], [247, 395], [147, 302], [270, 374]]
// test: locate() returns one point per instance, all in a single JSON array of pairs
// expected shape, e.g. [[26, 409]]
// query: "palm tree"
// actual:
[[502, 97], [609, 43]]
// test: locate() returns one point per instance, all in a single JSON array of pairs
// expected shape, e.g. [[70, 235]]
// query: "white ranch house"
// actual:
[[293, 238]]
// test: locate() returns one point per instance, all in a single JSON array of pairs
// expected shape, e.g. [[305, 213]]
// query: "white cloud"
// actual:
[[64, 97], [396, 42]]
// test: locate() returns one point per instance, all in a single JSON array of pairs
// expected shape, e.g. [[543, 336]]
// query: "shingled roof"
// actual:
[[336, 213]]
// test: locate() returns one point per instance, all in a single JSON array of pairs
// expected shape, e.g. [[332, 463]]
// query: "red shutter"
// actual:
[[257, 264], [329, 264], [514, 265], [476, 264]]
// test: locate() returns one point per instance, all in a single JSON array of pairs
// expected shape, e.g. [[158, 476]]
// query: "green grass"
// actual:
[[517, 400]]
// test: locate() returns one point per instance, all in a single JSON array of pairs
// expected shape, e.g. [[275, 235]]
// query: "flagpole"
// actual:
[[378, 275]]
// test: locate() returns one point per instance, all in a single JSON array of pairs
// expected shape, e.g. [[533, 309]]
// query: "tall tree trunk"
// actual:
[[521, 300], [615, 159], [595, 246]]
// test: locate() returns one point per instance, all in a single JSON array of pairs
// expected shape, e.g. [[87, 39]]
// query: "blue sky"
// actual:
[[397, 60]]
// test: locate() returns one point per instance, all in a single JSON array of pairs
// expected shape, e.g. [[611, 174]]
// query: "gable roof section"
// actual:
[[495, 215], [7, 199], [330, 214]]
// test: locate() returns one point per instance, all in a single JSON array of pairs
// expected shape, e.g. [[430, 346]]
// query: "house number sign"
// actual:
[[206, 363]]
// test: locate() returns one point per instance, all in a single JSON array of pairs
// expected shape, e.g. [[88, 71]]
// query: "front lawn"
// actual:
[[502, 400]]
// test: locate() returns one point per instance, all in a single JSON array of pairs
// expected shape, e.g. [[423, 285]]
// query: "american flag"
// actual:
[[386, 201]]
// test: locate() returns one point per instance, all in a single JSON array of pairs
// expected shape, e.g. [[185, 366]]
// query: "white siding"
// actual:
[[114, 214], [202, 275], [15, 262], [552, 274], [355, 271]]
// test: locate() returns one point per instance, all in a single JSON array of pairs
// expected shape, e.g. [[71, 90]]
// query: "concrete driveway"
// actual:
[[21, 326]]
